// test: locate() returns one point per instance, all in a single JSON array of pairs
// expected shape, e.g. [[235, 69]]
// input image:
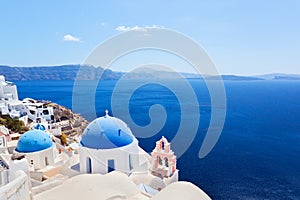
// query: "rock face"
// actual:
[[77, 122]]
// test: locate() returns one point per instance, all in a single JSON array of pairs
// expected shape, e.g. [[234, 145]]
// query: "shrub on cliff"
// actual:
[[14, 125]]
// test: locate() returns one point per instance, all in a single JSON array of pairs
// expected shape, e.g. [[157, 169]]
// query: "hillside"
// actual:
[[63, 72]]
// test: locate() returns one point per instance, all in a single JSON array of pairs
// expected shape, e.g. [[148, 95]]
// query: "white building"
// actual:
[[3, 107], [12, 106], [8, 90], [108, 144], [38, 111], [39, 149], [16, 108], [9, 103]]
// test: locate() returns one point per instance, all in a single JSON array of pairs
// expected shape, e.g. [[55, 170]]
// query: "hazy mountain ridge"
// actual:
[[63, 72], [69, 72], [279, 76]]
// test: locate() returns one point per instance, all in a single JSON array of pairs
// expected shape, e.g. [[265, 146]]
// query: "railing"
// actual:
[[16, 189]]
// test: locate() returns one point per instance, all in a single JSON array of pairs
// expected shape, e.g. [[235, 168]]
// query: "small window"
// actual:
[[166, 162], [46, 161], [89, 165], [130, 163], [159, 160], [46, 112], [110, 165]]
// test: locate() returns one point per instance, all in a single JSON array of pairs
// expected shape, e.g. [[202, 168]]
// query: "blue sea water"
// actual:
[[258, 153]]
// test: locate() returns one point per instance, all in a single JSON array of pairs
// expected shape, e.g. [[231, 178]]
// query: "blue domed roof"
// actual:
[[40, 127], [34, 140], [106, 133]]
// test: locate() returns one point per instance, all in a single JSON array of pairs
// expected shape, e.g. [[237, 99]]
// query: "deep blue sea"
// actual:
[[258, 153]]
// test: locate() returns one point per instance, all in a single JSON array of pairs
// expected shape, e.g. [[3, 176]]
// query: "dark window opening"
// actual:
[[159, 160], [163, 145], [130, 163], [110, 165], [88, 165], [166, 162], [46, 161], [46, 112]]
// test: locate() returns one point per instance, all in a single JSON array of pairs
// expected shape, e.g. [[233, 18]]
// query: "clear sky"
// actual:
[[241, 37]]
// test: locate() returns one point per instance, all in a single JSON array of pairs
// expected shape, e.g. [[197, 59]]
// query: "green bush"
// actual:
[[14, 125]]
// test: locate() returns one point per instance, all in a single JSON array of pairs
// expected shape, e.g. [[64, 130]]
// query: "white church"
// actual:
[[39, 148], [107, 144]]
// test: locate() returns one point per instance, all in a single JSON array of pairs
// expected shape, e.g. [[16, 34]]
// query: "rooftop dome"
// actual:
[[40, 127], [106, 133], [34, 140]]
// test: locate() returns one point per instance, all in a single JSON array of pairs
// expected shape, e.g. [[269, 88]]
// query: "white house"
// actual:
[[3, 107], [8, 90], [38, 111], [11, 105], [8, 98], [108, 144]]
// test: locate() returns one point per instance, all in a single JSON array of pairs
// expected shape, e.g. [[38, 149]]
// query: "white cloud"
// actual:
[[71, 38], [135, 28]]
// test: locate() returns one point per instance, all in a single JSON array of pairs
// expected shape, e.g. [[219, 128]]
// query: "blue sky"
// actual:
[[241, 37]]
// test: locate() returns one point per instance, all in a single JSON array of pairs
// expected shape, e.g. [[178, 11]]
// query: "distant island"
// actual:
[[69, 72]]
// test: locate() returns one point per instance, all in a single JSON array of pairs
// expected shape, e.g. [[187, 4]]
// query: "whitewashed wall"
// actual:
[[99, 158], [16, 189], [10, 89]]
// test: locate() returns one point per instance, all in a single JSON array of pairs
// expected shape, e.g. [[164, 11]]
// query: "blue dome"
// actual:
[[34, 140], [106, 133], [40, 127]]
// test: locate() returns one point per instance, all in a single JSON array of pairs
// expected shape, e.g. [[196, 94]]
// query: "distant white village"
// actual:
[[105, 162], [23, 110]]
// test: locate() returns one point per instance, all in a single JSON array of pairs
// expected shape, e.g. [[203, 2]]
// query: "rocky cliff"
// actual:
[[77, 122]]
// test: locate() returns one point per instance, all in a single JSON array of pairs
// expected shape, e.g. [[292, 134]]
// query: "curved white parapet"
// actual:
[[18, 188], [181, 190]]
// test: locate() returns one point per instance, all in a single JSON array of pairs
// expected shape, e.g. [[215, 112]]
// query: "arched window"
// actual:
[[46, 161], [166, 162], [162, 145], [88, 165], [159, 160]]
